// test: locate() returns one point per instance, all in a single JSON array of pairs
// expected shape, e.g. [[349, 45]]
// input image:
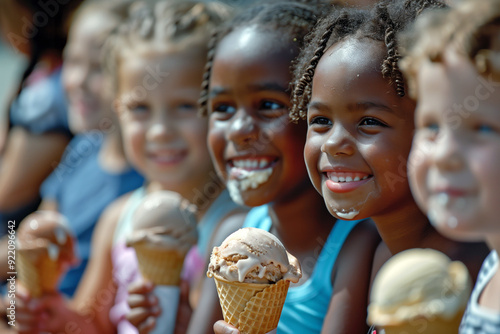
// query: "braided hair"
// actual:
[[382, 23], [184, 23], [294, 18]]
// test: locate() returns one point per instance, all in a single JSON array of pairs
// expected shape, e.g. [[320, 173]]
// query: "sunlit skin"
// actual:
[[83, 76], [359, 129], [249, 120], [249, 105], [163, 136], [456, 154]]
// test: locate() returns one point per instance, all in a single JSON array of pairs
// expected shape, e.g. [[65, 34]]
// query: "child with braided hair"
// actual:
[[360, 125], [455, 155], [156, 61], [259, 154]]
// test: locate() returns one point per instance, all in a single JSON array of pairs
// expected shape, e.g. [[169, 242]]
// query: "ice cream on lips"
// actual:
[[253, 255], [247, 174]]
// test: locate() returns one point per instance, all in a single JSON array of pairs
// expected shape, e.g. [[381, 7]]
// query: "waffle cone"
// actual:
[[162, 267], [250, 307], [37, 277], [435, 325]]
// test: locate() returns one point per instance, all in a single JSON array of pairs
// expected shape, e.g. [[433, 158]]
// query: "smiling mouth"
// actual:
[[341, 177], [252, 163]]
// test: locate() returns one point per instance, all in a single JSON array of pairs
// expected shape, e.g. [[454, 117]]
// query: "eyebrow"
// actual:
[[266, 86], [353, 106]]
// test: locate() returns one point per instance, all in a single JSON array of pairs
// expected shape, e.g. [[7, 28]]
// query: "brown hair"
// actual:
[[470, 29]]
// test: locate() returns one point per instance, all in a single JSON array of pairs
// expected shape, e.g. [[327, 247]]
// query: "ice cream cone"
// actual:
[[161, 266], [37, 277], [252, 307]]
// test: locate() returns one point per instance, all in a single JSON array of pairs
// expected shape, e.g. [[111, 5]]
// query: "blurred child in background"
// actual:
[[455, 156]]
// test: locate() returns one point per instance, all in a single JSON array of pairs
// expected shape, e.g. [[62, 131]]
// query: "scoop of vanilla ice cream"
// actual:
[[164, 220], [418, 283], [46, 233], [253, 255]]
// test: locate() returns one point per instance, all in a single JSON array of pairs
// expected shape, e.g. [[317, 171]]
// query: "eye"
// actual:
[[320, 120], [272, 109], [224, 108], [187, 107], [484, 128], [370, 121], [138, 108]]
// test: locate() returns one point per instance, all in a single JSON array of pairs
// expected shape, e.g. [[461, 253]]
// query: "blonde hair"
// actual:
[[469, 29], [168, 22]]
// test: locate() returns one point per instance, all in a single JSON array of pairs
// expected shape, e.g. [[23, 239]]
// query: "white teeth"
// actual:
[[364, 177], [341, 179], [335, 179], [356, 178], [250, 164], [348, 179]]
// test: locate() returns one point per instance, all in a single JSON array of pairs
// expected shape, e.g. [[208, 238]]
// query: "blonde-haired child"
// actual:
[[455, 156]]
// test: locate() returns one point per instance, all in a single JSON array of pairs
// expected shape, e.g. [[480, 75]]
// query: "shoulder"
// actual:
[[111, 215], [359, 248], [228, 225]]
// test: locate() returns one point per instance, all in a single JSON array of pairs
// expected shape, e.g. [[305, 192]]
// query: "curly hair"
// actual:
[[470, 29], [381, 23], [185, 23], [292, 18]]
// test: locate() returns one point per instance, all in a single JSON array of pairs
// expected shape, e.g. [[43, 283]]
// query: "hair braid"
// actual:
[[205, 85], [390, 67], [302, 91]]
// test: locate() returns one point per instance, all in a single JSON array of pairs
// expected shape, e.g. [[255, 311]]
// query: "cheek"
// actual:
[[418, 168], [217, 145], [312, 152]]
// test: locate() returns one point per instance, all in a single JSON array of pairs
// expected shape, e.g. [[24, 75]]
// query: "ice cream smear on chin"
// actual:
[[253, 255], [344, 214], [241, 179]]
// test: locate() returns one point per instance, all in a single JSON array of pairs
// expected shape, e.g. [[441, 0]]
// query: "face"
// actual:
[[456, 151], [83, 76], [255, 148], [163, 136], [359, 133]]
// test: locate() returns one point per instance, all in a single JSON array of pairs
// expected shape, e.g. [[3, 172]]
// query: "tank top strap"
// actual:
[[123, 226], [330, 251]]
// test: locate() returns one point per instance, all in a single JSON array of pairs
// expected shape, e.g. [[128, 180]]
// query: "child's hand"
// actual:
[[29, 312], [222, 327], [143, 305]]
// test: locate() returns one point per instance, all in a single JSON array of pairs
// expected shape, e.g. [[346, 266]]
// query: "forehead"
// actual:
[[455, 81], [256, 44]]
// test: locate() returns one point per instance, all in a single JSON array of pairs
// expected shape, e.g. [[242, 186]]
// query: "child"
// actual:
[[94, 170], [258, 152], [455, 158], [157, 60], [360, 123]]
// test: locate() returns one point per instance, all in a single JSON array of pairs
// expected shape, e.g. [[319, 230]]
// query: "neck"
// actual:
[[111, 155], [303, 223], [404, 229]]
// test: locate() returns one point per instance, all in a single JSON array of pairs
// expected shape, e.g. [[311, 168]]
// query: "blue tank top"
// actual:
[[306, 305]]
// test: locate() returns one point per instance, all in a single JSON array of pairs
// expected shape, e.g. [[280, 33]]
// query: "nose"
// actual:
[[339, 142], [446, 153], [243, 129], [161, 127]]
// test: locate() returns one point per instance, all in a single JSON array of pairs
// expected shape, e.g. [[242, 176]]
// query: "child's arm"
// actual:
[[97, 290], [351, 282]]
